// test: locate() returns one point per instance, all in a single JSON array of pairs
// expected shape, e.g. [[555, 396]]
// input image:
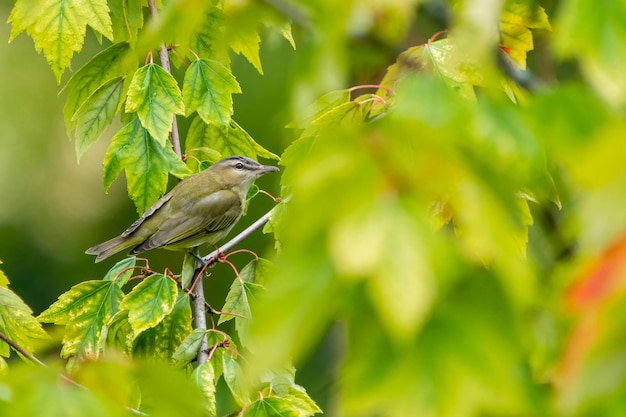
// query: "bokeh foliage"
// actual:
[[457, 239]]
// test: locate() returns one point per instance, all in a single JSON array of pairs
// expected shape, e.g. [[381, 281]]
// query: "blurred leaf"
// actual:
[[208, 89], [111, 63], [443, 58], [300, 400], [84, 310], [321, 106], [4, 281], [209, 41], [188, 349], [246, 41], [58, 27], [273, 407], [162, 340], [204, 376], [145, 162], [127, 19], [227, 140], [155, 96], [120, 333], [96, 113], [518, 17], [121, 271], [17, 321], [150, 301]]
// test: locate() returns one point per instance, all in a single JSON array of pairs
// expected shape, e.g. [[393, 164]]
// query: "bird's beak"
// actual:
[[267, 168]]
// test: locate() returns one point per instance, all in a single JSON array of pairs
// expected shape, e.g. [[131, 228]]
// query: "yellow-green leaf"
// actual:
[[227, 140], [208, 89], [145, 162], [58, 27], [97, 113], [121, 271], [150, 301], [155, 96], [204, 376], [273, 407], [246, 41], [17, 321], [127, 19], [243, 291], [518, 17], [111, 63], [162, 340], [85, 310]]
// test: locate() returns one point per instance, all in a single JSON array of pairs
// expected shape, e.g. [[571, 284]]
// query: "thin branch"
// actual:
[[211, 257], [21, 350], [199, 315]]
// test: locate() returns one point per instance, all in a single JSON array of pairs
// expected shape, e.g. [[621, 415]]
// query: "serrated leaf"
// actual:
[[155, 96], [217, 358], [320, 106], [199, 159], [300, 400], [162, 340], [116, 274], [518, 17], [456, 68], [236, 380], [4, 280], [17, 322], [96, 114], [272, 407], [208, 89], [85, 310], [188, 349], [227, 140], [204, 377], [150, 301], [112, 62], [243, 291], [58, 27], [246, 41], [127, 19], [145, 162], [280, 380], [209, 41]]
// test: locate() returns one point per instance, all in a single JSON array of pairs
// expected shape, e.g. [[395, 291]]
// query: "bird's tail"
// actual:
[[110, 247]]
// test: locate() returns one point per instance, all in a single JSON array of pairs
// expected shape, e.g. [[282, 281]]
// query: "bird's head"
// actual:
[[239, 171]]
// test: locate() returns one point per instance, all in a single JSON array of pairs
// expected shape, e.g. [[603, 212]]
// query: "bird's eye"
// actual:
[[239, 165]]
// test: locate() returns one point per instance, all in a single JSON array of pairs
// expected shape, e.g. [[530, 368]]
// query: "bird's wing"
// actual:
[[148, 213], [223, 208]]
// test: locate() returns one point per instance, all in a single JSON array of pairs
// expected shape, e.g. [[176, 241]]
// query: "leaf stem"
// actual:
[[21, 350]]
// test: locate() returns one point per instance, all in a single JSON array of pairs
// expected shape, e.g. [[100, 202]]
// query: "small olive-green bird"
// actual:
[[200, 209]]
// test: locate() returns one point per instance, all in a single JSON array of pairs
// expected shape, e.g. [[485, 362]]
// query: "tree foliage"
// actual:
[[458, 216]]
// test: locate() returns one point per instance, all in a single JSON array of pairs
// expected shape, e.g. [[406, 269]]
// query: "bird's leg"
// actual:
[[198, 257]]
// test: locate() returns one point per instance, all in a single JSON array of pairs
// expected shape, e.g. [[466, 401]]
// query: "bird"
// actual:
[[200, 209]]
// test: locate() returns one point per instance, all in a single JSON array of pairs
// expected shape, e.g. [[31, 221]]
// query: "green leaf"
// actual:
[[155, 96], [111, 63], [58, 27], [246, 41], [443, 58], [85, 310], [17, 322], [300, 400], [272, 407], [120, 332], [204, 376], [227, 140], [116, 274], [145, 162], [96, 113], [150, 301], [199, 159], [208, 89], [236, 380], [242, 292], [209, 41], [321, 106], [162, 340], [127, 19], [189, 348], [4, 281]]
